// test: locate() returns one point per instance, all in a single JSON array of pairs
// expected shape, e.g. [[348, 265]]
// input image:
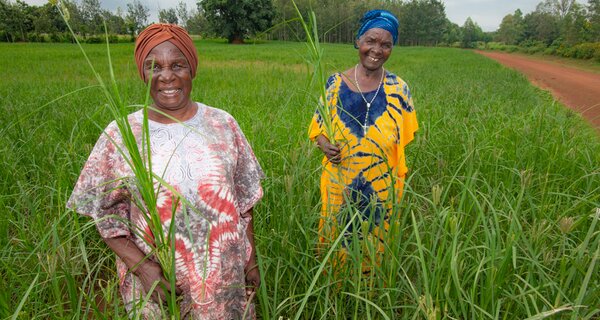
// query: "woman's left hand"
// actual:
[[251, 269], [252, 277]]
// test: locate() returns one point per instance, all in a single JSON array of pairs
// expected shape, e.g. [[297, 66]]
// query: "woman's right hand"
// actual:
[[146, 270], [331, 151], [150, 272]]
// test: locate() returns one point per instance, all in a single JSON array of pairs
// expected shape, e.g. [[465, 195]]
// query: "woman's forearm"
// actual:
[[147, 271], [251, 269], [250, 235], [129, 253]]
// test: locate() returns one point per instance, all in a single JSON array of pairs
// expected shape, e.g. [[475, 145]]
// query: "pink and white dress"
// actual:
[[208, 161]]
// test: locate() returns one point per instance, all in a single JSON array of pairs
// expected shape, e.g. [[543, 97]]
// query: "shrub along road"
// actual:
[[577, 89]]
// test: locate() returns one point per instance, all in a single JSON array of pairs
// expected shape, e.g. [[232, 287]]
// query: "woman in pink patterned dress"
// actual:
[[205, 158]]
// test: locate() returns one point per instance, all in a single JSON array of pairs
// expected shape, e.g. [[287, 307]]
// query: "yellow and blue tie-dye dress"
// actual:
[[371, 174]]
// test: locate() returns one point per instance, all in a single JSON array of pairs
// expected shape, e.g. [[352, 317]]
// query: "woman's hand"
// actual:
[[146, 270], [332, 152], [251, 268], [149, 272], [252, 277]]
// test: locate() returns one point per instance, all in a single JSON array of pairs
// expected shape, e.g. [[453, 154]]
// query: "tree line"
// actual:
[[22, 22], [559, 27], [564, 21], [422, 22]]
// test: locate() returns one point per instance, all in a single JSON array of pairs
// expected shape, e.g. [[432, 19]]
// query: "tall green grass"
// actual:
[[497, 220]]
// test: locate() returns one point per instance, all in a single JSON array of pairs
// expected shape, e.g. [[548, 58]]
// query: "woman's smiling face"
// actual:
[[374, 48], [171, 82]]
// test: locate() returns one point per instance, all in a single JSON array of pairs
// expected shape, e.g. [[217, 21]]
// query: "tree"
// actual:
[[16, 20], [423, 22], [558, 8], [472, 33], [511, 28], [91, 15], [237, 19], [575, 27], [593, 9], [137, 16], [75, 16], [115, 22], [453, 33], [541, 26], [182, 14], [167, 16], [197, 24]]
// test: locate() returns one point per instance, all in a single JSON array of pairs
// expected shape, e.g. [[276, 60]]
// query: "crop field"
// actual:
[[500, 217]]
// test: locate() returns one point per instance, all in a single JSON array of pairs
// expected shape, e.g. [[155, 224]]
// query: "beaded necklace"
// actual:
[[365, 126]]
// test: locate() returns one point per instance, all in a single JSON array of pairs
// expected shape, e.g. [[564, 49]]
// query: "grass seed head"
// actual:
[[436, 194], [566, 224]]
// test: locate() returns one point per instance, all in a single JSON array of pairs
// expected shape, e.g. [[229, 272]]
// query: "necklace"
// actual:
[[365, 126]]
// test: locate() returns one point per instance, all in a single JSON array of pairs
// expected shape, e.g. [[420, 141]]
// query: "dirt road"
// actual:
[[577, 89]]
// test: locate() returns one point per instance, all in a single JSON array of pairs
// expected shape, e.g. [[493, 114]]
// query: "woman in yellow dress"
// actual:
[[373, 119]]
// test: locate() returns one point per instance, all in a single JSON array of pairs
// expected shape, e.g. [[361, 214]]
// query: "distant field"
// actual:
[[499, 220]]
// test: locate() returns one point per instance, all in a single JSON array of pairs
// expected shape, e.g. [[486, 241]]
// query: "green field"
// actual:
[[499, 219]]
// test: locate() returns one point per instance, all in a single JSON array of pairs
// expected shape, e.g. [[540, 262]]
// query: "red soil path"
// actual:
[[577, 89]]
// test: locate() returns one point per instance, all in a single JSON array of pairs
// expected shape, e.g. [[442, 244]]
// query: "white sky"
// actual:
[[487, 13]]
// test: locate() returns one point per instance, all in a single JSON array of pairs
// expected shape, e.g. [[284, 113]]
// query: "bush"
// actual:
[[550, 51], [34, 37], [557, 48], [113, 38], [126, 38], [94, 39], [495, 45], [532, 46], [586, 50]]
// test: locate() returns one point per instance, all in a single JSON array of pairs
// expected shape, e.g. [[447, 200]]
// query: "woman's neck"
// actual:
[[172, 116], [370, 74]]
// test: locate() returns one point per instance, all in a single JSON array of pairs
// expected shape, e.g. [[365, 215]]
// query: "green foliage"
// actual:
[[511, 30], [471, 33], [581, 51], [533, 47], [236, 20], [423, 22], [585, 51], [541, 26], [16, 20], [575, 26], [137, 16], [22, 22], [565, 21], [593, 9], [453, 33], [168, 16], [565, 28], [498, 219]]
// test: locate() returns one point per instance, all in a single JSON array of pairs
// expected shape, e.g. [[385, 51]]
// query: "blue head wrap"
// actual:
[[382, 19]]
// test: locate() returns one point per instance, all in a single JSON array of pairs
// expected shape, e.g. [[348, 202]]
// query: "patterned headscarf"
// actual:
[[382, 19], [158, 33]]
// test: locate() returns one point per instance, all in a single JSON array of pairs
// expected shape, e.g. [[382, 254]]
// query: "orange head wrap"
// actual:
[[158, 33]]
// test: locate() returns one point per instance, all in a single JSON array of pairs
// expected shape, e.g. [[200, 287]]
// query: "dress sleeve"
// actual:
[[248, 173], [316, 125], [409, 117], [99, 192]]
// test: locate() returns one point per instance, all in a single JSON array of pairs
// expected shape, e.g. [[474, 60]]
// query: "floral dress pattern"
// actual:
[[206, 160]]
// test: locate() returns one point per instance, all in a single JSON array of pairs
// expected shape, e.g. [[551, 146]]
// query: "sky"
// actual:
[[486, 13]]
